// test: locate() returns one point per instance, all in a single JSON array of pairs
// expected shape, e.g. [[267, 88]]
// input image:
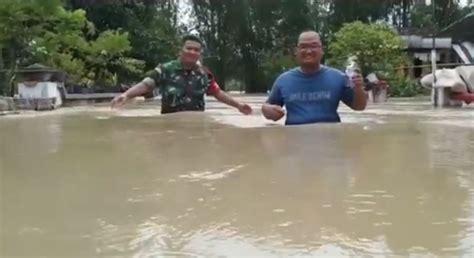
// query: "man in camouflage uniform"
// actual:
[[182, 83]]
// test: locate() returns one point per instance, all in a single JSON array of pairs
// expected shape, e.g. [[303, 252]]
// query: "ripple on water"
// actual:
[[194, 176]]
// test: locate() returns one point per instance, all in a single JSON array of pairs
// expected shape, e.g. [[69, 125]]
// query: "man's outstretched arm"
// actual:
[[214, 90], [223, 97], [142, 88], [138, 89]]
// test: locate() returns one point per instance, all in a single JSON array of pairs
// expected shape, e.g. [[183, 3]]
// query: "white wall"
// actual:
[[40, 90]]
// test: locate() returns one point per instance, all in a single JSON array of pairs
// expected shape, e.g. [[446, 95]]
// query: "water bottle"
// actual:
[[352, 69]]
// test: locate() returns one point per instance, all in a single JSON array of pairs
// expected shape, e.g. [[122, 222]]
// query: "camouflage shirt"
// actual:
[[181, 89]]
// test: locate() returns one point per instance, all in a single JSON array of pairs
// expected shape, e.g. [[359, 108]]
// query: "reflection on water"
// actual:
[[133, 183]]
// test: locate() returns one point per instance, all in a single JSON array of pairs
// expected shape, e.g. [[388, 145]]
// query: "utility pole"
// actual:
[[433, 52]]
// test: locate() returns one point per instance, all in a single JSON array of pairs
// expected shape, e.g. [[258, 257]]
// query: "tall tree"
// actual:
[[152, 25], [258, 27], [44, 31], [357, 10]]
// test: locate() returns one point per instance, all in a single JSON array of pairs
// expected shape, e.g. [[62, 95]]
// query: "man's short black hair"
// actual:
[[192, 38]]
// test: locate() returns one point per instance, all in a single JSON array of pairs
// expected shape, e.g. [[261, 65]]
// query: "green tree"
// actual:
[[44, 31], [240, 35], [343, 11], [446, 12], [106, 59], [61, 43], [379, 49], [20, 23], [151, 25]]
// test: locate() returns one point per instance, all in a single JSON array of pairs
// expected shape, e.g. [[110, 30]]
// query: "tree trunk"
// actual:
[[10, 73], [2, 74]]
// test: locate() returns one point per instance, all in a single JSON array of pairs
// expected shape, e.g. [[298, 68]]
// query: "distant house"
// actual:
[[462, 32], [419, 48], [454, 46]]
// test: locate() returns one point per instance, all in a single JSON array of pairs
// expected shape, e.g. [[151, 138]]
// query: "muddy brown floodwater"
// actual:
[[397, 179]]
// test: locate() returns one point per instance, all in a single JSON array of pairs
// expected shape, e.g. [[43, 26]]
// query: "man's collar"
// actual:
[[179, 65]]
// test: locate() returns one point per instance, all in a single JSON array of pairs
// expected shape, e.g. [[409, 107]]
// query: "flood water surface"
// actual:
[[397, 179]]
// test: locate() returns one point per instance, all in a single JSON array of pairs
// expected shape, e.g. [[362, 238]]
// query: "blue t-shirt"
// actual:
[[311, 98]]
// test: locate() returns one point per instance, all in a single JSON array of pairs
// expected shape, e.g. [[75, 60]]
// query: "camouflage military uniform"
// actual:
[[182, 90]]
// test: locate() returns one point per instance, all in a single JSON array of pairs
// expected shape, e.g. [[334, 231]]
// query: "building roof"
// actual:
[[37, 68], [419, 42]]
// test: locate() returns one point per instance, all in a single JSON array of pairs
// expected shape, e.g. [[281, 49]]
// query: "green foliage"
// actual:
[[110, 43], [422, 16], [45, 32], [62, 43], [245, 35], [275, 64], [248, 41], [343, 11], [105, 58], [404, 87], [20, 23], [22, 19], [377, 47], [150, 26]]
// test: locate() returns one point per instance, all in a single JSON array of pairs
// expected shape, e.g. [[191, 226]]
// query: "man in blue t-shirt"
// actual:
[[312, 91]]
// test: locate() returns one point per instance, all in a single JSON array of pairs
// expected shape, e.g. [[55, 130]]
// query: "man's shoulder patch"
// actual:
[[172, 65]]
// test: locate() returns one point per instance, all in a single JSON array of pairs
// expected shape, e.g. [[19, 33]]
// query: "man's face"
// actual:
[[191, 52], [309, 50]]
